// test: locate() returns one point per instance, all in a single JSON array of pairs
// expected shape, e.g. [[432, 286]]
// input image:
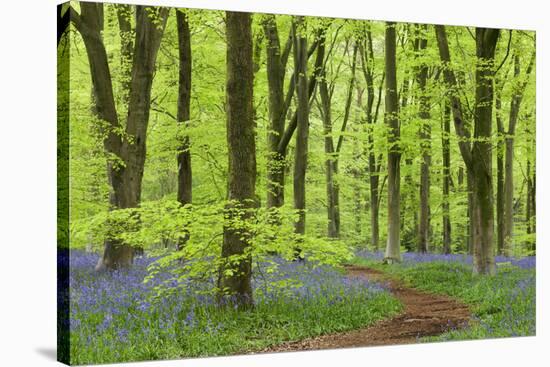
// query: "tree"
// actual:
[[302, 127], [394, 177], [125, 151], [476, 156], [374, 162], [277, 59], [425, 142], [332, 152], [508, 188], [446, 152], [185, 177], [235, 271]]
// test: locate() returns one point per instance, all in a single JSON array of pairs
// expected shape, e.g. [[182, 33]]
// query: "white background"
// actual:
[[28, 182]]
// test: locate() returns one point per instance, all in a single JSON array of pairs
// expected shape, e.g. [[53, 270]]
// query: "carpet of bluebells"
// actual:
[[503, 305], [116, 316]]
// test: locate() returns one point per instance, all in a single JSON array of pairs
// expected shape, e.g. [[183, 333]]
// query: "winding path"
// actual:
[[424, 314]]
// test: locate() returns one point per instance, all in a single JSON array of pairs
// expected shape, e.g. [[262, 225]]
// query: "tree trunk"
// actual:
[[311, 83], [235, 271], [500, 170], [302, 127], [391, 116], [445, 143], [330, 160], [185, 174], [425, 142], [124, 15], [367, 58], [276, 63], [478, 158], [481, 164], [515, 106]]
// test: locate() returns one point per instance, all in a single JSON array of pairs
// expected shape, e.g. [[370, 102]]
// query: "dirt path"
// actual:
[[424, 314]]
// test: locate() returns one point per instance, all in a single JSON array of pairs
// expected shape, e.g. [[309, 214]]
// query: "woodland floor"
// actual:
[[424, 314]]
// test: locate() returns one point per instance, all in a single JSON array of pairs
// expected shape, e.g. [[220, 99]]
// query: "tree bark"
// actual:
[[500, 169], [391, 116], [184, 108], [374, 165], [312, 82], [302, 127], [481, 164], [126, 155], [276, 63], [185, 173], [477, 156], [235, 271], [331, 161], [332, 153], [446, 152], [515, 106], [425, 142], [124, 14]]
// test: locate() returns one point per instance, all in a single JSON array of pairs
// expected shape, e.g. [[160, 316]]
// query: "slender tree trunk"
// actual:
[[357, 156], [330, 160], [446, 152], [185, 174], [471, 222], [311, 83], [367, 54], [276, 62], [235, 272], [515, 106], [481, 164], [391, 116], [533, 211], [500, 171], [302, 129], [425, 142], [528, 202]]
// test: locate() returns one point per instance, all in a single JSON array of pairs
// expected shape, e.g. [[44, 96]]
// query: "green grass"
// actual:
[[503, 305], [241, 332]]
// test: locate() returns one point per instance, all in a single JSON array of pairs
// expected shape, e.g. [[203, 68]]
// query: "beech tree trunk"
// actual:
[[332, 153], [185, 174], [481, 163], [331, 161], [515, 106], [446, 148], [311, 83], [425, 142], [184, 108], [476, 156], [391, 116], [500, 169], [127, 156], [302, 129], [235, 271], [276, 63], [374, 164]]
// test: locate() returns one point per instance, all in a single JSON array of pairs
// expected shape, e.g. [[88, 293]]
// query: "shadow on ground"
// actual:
[[49, 353]]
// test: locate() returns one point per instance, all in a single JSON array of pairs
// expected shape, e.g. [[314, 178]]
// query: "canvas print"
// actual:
[[236, 183]]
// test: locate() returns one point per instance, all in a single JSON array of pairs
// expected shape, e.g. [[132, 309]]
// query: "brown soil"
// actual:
[[424, 314]]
